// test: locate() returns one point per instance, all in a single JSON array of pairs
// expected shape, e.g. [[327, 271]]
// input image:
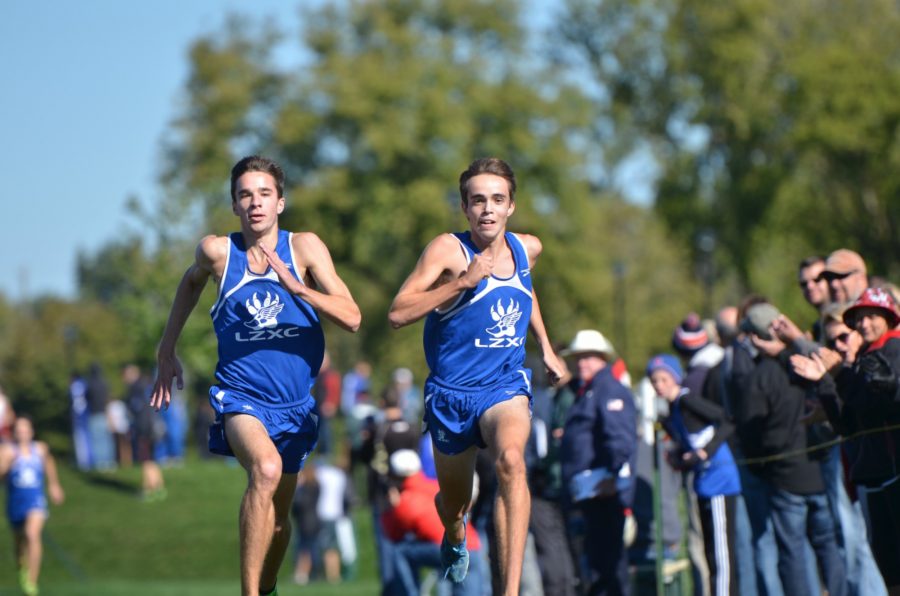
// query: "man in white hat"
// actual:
[[599, 451]]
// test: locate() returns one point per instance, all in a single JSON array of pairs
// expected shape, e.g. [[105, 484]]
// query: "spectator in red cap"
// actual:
[[863, 403], [873, 315]]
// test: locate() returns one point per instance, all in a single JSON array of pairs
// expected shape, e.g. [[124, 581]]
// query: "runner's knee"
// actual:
[[32, 536], [451, 509], [510, 464], [266, 473]]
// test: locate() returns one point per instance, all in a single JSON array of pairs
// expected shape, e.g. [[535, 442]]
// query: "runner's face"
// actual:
[[256, 201], [489, 205], [23, 432]]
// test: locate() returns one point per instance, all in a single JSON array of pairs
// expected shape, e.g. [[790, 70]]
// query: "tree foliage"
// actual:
[[772, 125], [772, 122], [46, 341], [394, 100]]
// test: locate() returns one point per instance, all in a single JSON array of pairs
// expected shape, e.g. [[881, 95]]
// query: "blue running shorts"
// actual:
[[452, 415], [293, 428], [19, 508]]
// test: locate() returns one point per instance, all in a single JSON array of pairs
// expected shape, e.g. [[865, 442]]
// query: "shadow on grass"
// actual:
[[197, 588], [106, 480]]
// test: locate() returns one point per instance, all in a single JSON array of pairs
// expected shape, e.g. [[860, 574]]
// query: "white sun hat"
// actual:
[[589, 341]]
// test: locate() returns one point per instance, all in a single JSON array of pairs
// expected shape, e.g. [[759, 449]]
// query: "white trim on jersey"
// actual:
[[492, 281], [468, 257], [492, 284], [224, 275], [248, 277], [524, 250], [293, 256]]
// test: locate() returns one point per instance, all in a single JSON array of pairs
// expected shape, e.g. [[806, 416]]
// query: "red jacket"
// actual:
[[415, 514]]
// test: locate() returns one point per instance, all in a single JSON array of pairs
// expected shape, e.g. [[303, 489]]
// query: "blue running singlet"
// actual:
[[479, 341], [25, 485], [271, 343]]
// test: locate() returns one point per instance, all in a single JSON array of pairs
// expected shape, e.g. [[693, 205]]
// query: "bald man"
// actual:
[[845, 272]]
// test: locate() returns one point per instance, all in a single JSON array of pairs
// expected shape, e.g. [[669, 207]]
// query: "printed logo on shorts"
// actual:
[[503, 332], [441, 436]]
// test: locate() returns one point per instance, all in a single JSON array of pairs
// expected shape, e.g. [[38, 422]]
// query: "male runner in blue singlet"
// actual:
[[475, 290], [272, 287], [28, 467]]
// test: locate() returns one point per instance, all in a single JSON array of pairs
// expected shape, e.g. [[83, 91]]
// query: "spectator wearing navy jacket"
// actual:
[[598, 452]]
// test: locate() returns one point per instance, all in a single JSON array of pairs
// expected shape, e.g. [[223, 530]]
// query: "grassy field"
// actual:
[[105, 541]]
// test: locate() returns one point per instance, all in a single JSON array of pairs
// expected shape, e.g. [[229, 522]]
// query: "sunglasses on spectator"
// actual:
[[843, 337], [831, 275]]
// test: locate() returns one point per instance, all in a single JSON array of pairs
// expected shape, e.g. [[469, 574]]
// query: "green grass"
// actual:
[[105, 540]]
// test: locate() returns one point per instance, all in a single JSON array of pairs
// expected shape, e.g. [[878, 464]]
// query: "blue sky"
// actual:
[[89, 89]]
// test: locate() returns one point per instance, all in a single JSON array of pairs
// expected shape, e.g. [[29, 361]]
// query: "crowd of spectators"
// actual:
[[779, 443], [111, 432], [771, 448]]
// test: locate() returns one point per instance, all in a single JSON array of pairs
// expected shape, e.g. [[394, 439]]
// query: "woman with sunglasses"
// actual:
[[862, 400]]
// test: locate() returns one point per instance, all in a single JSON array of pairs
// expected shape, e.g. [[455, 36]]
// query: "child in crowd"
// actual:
[[700, 428]]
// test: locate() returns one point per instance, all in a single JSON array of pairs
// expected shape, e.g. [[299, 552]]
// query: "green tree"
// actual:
[[394, 99], [47, 340], [770, 121], [390, 101], [373, 130], [138, 285]]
